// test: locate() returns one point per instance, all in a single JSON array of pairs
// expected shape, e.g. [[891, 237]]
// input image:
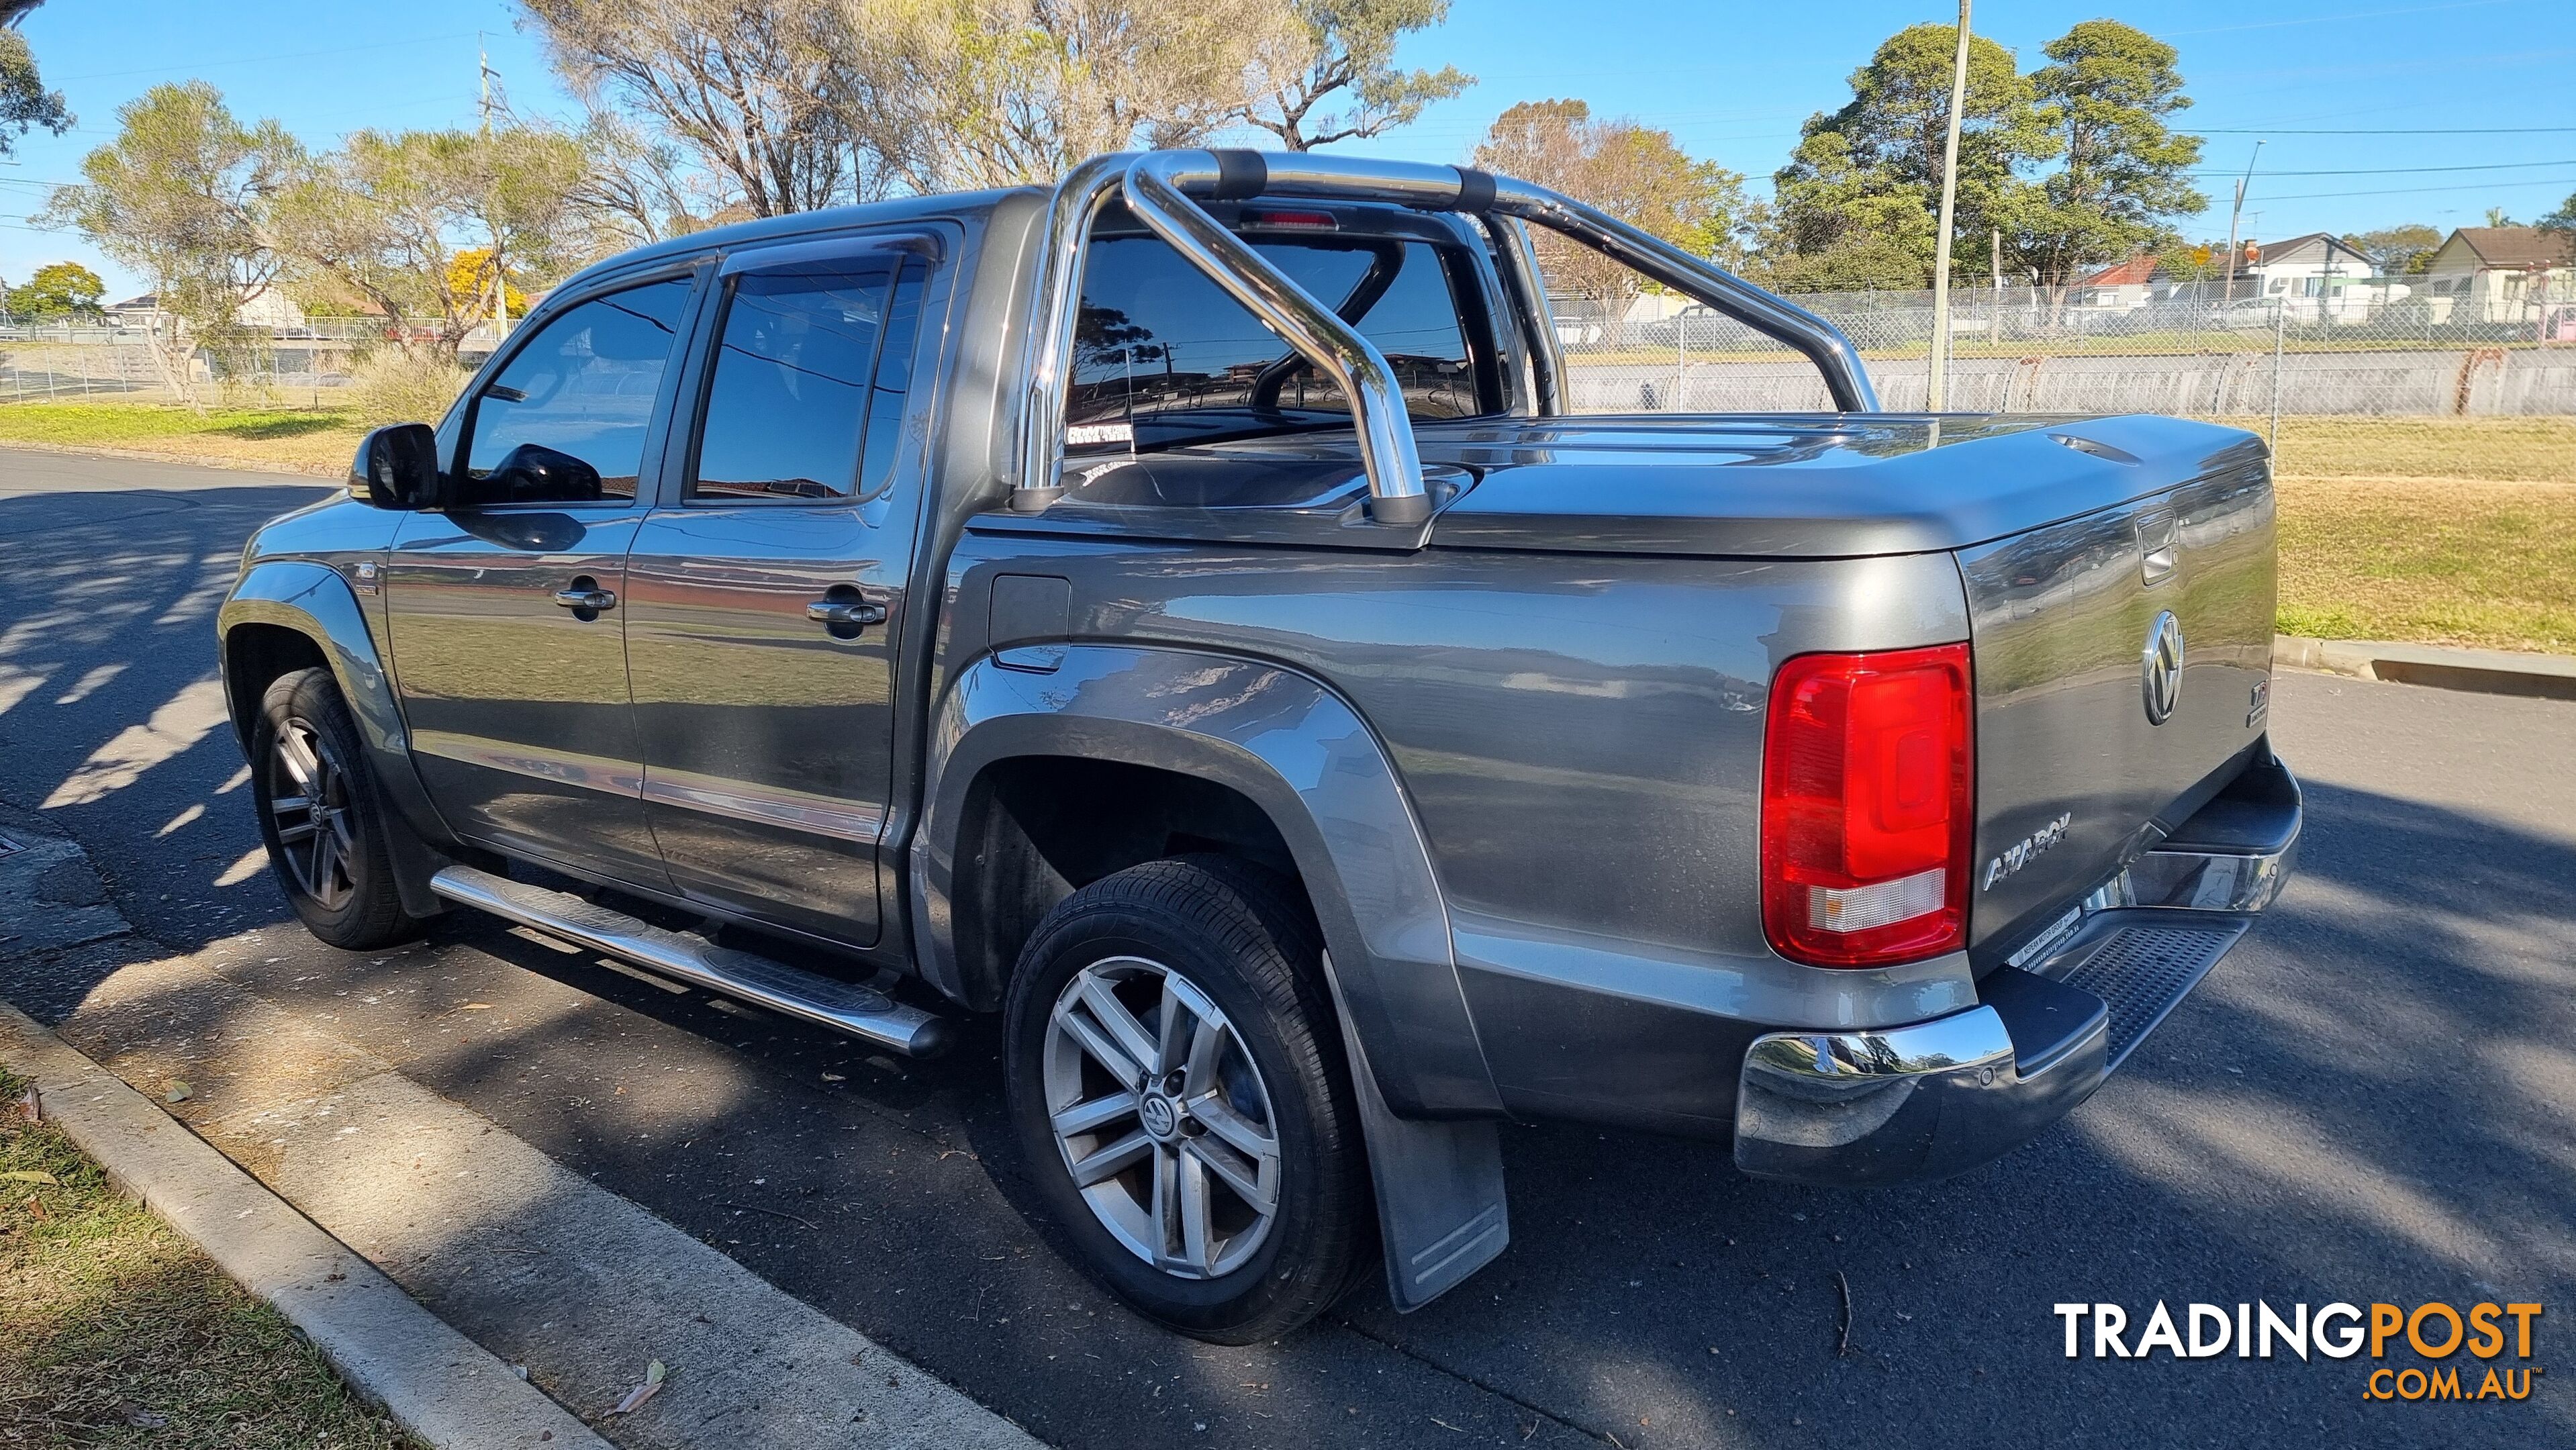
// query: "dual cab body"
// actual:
[[887, 583]]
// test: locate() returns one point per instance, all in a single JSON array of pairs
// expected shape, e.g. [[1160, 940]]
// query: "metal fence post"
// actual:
[[2273, 442]]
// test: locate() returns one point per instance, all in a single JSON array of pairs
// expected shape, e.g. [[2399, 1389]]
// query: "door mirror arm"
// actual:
[[397, 467]]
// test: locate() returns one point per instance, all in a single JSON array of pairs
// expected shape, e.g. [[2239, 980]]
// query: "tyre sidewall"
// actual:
[[373, 915], [1303, 1259]]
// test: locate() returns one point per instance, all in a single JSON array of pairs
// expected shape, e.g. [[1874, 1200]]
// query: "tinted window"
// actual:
[[1159, 342], [564, 421], [893, 381], [789, 402]]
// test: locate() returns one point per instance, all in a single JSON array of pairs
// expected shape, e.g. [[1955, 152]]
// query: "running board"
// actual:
[[854, 1011]]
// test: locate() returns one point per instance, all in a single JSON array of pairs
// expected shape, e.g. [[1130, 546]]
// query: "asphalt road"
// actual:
[[2373, 1099]]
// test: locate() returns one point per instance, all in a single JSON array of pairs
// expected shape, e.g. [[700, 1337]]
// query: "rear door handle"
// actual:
[[845, 613], [586, 599]]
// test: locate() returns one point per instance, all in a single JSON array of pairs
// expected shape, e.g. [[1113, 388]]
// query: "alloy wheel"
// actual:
[[1162, 1118], [308, 802]]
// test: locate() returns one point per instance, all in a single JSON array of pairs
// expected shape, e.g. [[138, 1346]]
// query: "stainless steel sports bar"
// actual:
[[1158, 188], [1337, 350]]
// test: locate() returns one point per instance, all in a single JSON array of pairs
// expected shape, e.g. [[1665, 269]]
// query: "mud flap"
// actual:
[[1440, 1207]]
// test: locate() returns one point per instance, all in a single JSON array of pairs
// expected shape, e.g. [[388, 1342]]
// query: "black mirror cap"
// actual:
[[397, 467]]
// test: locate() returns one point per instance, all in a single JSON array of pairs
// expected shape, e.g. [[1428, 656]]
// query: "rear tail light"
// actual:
[[1867, 804]]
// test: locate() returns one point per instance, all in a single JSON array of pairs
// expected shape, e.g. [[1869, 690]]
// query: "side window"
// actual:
[[564, 422], [788, 402], [893, 387]]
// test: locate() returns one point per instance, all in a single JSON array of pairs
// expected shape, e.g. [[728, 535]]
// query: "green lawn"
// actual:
[[304, 439], [114, 1331]]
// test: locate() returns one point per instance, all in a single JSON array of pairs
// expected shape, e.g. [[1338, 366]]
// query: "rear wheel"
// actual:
[[319, 815], [1179, 1091]]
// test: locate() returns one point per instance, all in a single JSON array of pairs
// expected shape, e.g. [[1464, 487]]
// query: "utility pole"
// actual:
[[1949, 209], [498, 306], [1997, 262], [2236, 212]]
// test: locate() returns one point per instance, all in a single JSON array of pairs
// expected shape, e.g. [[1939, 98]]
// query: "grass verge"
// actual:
[[2434, 561], [302, 438], [115, 1331]]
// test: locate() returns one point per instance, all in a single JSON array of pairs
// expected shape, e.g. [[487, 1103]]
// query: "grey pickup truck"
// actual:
[[1184, 612]]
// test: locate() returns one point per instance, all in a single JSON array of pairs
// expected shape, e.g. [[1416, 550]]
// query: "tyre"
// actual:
[[319, 815], [1177, 1082]]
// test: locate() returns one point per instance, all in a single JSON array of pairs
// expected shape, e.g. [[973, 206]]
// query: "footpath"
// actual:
[[483, 1293]]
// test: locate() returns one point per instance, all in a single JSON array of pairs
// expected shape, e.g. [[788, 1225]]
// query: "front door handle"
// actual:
[[845, 613], [586, 599]]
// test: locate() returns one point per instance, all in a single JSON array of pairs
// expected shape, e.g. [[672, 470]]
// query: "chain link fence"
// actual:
[[2362, 350], [287, 366], [2366, 349]]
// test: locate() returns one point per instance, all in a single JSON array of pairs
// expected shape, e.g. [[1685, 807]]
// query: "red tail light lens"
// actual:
[[1867, 805]]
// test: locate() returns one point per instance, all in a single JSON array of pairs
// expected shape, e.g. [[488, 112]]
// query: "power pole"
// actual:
[[1949, 209], [498, 305], [1997, 262], [2236, 212]]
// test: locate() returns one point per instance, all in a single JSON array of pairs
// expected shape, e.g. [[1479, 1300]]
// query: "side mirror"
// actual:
[[397, 467]]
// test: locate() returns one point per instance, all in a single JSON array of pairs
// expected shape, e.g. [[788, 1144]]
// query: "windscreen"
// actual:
[[1163, 355]]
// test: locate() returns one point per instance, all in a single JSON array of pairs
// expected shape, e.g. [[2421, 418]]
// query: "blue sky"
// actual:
[[2475, 94]]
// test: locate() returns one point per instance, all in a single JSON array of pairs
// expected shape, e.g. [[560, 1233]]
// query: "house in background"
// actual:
[[2500, 274], [270, 309], [2313, 279], [2122, 286]]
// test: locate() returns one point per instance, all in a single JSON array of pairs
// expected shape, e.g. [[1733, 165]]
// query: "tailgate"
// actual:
[[2075, 775]]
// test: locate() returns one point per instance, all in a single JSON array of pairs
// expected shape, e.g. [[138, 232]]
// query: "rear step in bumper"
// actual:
[[1925, 1101], [854, 1011]]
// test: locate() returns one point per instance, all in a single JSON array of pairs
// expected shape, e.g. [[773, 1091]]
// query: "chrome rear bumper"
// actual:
[[1935, 1098]]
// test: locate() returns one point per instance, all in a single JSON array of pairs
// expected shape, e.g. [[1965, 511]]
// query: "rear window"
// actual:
[[1162, 355]]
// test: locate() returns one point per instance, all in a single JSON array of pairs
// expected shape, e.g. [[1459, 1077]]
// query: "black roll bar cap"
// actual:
[[1240, 175]]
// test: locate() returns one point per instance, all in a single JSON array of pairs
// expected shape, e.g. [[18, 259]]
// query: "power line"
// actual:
[[2323, 19], [2423, 190], [2388, 131], [2404, 170]]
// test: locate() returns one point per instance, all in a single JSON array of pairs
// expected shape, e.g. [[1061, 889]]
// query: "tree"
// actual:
[[1635, 173], [181, 196], [2393, 250], [2563, 219], [64, 289], [1858, 263], [2192, 261], [2498, 217], [1872, 170], [755, 91], [25, 104], [1346, 47], [2107, 93], [977, 93], [634, 189], [389, 216]]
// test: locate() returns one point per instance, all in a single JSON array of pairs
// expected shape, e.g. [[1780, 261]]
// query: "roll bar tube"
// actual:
[[1159, 187]]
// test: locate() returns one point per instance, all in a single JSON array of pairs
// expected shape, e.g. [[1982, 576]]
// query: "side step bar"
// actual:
[[854, 1011]]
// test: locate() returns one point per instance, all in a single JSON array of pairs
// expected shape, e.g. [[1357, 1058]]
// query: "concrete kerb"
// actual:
[[432, 1380], [2485, 671], [330, 1163]]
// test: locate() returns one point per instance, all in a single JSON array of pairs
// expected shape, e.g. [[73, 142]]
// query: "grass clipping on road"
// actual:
[[114, 1330]]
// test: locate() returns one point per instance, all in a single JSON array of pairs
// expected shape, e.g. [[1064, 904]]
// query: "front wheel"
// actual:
[[1178, 1087], [320, 818]]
